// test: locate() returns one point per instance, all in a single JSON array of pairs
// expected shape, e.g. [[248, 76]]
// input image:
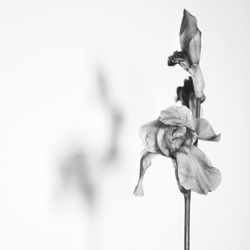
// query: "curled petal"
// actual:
[[164, 142], [190, 37], [144, 165], [198, 80], [177, 116], [181, 58], [186, 95], [196, 172], [179, 132], [205, 130], [148, 134], [170, 138], [184, 92]]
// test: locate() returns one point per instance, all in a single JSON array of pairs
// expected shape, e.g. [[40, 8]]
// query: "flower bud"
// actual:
[[190, 37]]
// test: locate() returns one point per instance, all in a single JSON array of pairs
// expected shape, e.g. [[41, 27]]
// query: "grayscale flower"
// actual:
[[173, 135], [189, 56]]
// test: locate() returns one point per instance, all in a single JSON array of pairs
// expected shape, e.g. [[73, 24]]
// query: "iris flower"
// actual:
[[189, 56], [173, 135]]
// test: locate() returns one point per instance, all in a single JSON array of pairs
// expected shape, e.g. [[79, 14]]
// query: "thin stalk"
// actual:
[[187, 199], [187, 194]]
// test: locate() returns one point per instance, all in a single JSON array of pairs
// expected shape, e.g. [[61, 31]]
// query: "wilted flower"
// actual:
[[186, 95], [173, 135], [189, 57]]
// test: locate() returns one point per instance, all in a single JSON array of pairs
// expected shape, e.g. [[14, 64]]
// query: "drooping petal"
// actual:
[[205, 130], [190, 37], [182, 189], [198, 80], [177, 116], [196, 172], [148, 134], [144, 165]]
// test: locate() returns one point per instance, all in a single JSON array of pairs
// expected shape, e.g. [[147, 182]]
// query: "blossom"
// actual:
[[173, 135], [189, 56]]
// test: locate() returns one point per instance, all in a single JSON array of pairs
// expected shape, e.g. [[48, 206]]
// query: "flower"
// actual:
[[190, 37], [189, 57], [172, 135]]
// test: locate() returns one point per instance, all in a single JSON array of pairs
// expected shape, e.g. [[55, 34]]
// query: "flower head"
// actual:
[[172, 135], [189, 56], [190, 37]]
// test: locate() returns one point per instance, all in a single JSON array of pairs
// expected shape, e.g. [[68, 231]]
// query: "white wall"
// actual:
[[50, 106]]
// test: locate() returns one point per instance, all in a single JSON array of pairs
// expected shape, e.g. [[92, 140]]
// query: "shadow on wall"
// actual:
[[80, 171], [113, 111]]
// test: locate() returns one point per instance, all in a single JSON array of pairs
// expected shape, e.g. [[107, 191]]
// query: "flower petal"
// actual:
[[205, 130], [170, 138], [198, 80], [148, 134], [177, 116], [194, 49], [188, 26], [190, 37], [164, 142], [181, 58], [144, 165], [196, 172]]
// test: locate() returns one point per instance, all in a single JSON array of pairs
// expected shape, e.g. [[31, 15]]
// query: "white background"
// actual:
[[50, 106]]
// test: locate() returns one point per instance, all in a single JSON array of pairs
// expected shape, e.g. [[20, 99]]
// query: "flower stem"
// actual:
[[198, 107], [187, 199], [197, 113], [187, 194]]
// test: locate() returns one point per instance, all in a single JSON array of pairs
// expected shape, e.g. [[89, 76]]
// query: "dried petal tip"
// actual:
[[181, 58]]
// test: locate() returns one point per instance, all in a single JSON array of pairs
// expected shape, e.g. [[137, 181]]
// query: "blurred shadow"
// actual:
[[81, 172], [115, 114], [76, 172]]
